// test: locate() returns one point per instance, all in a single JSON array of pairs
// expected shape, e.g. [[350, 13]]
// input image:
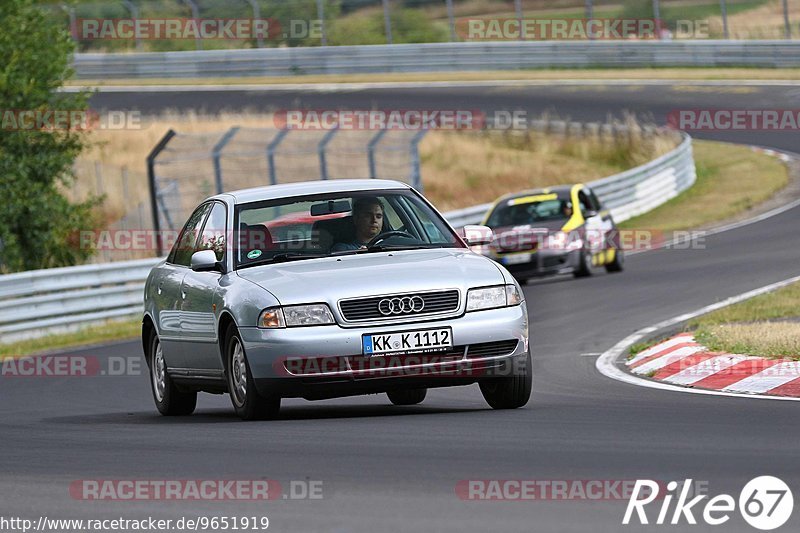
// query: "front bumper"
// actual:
[[540, 263], [327, 361]]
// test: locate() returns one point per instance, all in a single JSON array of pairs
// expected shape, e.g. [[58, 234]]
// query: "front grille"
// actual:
[[492, 349], [371, 308]]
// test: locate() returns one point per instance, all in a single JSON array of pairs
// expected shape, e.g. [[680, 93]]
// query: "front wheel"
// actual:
[[248, 403], [618, 264], [407, 397], [170, 401], [509, 392], [584, 268]]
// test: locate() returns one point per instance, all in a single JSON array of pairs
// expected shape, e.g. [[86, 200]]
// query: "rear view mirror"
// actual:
[[476, 235], [330, 207]]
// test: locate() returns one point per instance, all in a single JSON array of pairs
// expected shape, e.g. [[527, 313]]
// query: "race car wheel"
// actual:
[[407, 397], [170, 401], [509, 392], [584, 268], [248, 403], [618, 264]]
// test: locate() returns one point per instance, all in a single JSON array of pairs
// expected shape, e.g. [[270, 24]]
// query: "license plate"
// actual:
[[516, 259], [418, 341]]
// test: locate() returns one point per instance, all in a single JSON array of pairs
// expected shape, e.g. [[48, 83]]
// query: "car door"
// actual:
[[601, 224], [168, 289], [198, 323]]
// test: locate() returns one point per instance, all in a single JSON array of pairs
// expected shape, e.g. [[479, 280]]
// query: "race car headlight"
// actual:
[[295, 315], [493, 297]]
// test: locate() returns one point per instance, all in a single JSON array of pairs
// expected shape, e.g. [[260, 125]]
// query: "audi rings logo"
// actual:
[[401, 306]]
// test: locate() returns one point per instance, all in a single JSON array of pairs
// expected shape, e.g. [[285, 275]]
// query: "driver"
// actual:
[[367, 222]]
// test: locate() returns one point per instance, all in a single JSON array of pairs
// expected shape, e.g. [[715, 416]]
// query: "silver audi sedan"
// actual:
[[327, 289]]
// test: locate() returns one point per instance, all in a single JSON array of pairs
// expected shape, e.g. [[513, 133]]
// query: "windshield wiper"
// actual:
[[283, 258]]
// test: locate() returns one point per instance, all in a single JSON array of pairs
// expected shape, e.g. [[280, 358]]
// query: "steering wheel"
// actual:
[[386, 234]]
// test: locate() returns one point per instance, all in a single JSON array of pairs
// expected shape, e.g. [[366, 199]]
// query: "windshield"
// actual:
[[525, 211], [337, 224]]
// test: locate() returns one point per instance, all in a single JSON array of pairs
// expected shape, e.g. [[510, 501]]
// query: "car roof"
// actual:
[[563, 192], [288, 190]]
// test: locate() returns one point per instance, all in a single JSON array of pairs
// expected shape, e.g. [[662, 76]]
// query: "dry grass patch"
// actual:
[[766, 339], [730, 180], [762, 22]]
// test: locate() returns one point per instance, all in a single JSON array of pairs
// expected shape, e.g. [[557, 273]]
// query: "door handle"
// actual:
[[183, 295], [160, 286]]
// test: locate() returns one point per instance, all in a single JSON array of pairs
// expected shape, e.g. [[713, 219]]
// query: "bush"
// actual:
[[38, 224]]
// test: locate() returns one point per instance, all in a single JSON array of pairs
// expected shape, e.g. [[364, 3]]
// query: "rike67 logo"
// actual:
[[765, 503]]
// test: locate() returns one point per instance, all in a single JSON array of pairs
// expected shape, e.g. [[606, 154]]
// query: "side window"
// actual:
[[586, 204], [596, 201], [181, 253], [214, 232]]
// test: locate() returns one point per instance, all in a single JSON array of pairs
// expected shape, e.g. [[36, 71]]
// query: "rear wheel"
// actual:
[[407, 397], [248, 403], [509, 392], [618, 264], [169, 400]]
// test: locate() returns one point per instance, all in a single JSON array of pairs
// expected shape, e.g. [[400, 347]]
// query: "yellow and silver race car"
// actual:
[[556, 230]]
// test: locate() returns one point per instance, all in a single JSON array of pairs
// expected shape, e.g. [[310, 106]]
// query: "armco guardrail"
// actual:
[[629, 193], [47, 301], [437, 57]]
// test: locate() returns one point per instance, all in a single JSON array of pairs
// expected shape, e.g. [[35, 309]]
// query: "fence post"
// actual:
[[256, 16], [73, 23], [452, 20], [271, 147], [135, 14], [321, 17], [387, 21], [373, 173], [151, 177], [196, 16], [657, 17], [416, 173], [786, 25], [216, 155], [518, 9], [323, 145], [724, 9]]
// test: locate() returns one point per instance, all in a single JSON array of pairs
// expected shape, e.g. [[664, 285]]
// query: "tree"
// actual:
[[37, 222]]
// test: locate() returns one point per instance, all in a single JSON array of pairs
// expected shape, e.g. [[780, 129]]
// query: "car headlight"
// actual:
[[296, 315], [493, 297]]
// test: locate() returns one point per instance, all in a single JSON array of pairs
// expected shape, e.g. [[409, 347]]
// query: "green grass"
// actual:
[[765, 325], [730, 180], [111, 331]]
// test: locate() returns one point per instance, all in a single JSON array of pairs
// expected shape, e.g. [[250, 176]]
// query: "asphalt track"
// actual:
[[387, 468]]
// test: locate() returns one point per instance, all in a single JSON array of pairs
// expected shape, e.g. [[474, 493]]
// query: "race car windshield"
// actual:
[[307, 227], [516, 213]]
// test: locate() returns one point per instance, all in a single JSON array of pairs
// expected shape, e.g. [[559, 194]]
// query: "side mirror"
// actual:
[[589, 213], [204, 261], [477, 235]]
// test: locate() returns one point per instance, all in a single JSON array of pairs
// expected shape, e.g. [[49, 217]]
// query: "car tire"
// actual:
[[407, 397], [170, 401], [584, 268], [618, 264], [509, 392], [248, 403]]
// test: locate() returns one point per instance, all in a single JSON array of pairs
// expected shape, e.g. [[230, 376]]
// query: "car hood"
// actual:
[[331, 279], [523, 237]]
